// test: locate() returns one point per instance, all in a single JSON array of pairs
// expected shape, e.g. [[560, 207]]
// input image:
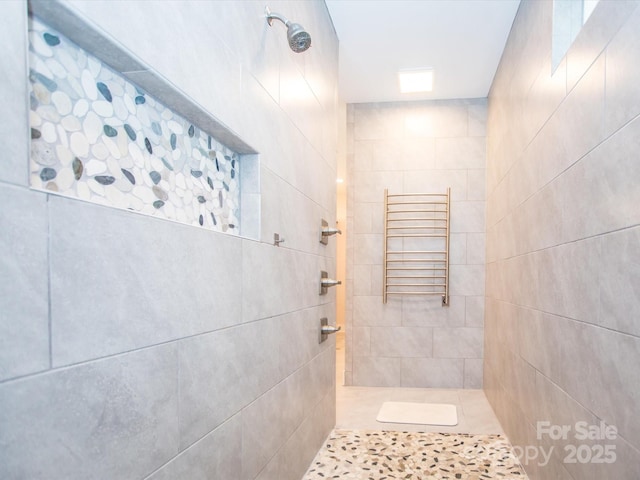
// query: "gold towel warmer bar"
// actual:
[[430, 213]]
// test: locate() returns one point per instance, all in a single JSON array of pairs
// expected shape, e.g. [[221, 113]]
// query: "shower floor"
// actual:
[[360, 447], [357, 407], [362, 455]]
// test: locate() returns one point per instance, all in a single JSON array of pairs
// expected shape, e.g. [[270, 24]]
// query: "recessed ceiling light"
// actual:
[[413, 81], [339, 180]]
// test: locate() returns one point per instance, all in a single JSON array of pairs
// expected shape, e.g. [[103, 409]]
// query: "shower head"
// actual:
[[299, 39]]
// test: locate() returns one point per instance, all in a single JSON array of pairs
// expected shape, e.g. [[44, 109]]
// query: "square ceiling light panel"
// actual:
[[414, 81]]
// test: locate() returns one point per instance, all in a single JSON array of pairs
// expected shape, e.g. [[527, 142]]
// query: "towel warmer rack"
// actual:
[[416, 244]]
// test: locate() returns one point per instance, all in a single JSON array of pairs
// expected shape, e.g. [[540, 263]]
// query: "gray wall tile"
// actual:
[[621, 95], [268, 289], [376, 371], [217, 455], [433, 372], [428, 312], [460, 153], [472, 373], [435, 120], [608, 358], [95, 313], [268, 422], [467, 217], [467, 280], [297, 337], [561, 336], [24, 289], [122, 282], [361, 340], [608, 174], [474, 312], [401, 341], [619, 277], [113, 418], [221, 373], [316, 379], [13, 95], [437, 180], [568, 278], [462, 342], [443, 145], [370, 311], [306, 440]]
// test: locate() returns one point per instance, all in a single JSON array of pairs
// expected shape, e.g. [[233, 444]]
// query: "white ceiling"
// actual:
[[462, 40]]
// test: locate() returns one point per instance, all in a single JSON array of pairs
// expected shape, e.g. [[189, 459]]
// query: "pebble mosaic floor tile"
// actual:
[[97, 137], [384, 455]]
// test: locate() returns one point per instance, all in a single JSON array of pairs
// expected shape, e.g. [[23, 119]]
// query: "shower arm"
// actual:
[[298, 38], [272, 15]]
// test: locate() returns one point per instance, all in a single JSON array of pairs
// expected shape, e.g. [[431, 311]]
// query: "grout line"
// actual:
[[49, 283], [553, 314]]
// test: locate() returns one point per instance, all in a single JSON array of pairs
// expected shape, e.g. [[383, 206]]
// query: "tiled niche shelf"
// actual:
[[99, 137]]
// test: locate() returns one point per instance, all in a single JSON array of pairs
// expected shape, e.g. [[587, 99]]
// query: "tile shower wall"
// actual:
[[562, 319], [415, 147], [134, 347], [97, 137]]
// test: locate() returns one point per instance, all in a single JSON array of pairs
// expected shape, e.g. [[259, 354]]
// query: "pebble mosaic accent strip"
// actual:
[[387, 455], [97, 137]]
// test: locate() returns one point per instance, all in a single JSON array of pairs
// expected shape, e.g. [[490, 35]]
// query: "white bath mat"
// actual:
[[420, 413]]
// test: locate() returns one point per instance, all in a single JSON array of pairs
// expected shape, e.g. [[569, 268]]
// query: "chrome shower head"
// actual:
[[299, 38]]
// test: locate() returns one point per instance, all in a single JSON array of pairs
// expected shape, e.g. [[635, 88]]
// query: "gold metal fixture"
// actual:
[[416, 270]]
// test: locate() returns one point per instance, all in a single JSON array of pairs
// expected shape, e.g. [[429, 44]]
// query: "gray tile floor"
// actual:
[[357, 407]]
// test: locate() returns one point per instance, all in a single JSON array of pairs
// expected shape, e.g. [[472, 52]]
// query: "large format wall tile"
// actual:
[[113, 418], [15, 134], [464, 342], [24, 290], [216, 455], [268, 289], [561, 339], [370, 311], [441, 145], [460, 153], [95, 312], [436, 120], [428, 312], [124, 352], [436, 181], [619, 274], [433, 372], [293, 215], [289, 462], [402, 342], [472, 373], [297, 337], [377, 371], [609, 360], [221, 373], [609, 174], [268, 422]]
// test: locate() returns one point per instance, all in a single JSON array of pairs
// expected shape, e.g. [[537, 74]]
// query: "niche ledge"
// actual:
[[166, 156]]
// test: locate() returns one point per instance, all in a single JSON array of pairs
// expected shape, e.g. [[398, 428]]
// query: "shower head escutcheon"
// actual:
[[299, 38]]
